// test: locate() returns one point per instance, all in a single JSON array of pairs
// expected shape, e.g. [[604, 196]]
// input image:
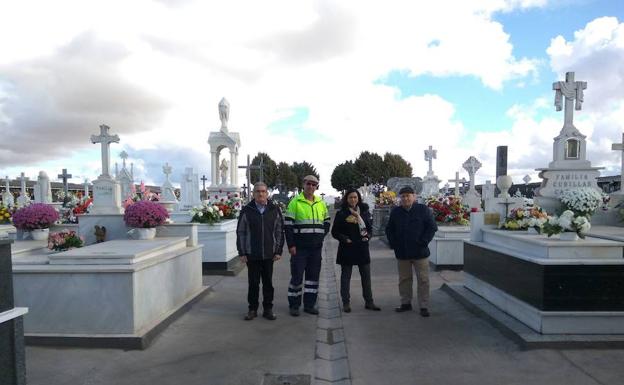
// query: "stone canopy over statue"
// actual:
[[223, 171]]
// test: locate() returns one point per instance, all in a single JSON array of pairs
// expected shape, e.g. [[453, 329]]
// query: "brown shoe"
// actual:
[[268, 314], [251, 314]]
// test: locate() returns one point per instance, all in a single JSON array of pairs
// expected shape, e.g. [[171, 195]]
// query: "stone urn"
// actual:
[[504, 182]]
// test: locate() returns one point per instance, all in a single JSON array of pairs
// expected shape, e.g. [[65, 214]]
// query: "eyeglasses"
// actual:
[[311, 183]]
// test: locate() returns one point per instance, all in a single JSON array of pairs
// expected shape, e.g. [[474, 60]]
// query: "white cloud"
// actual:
[[155, 71]]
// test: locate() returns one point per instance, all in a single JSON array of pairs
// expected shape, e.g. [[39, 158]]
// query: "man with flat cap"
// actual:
[[306, 223], [410, 228]]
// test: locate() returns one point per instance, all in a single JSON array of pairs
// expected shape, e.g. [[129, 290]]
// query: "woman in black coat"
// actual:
[[353, 226]]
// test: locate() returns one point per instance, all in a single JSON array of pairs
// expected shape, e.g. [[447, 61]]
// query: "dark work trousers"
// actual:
[[345, 282], [306, 261], [256, 270]]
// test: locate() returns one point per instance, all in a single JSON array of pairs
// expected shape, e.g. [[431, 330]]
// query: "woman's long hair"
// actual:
[[344, 205]]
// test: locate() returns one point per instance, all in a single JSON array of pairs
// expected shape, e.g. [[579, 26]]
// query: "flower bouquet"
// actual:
[[568, 221], [230, 206], [449, 210], [5, 215], [144, 194], [64, 240], [145, 215], [524, 218], [206, 213], [582, 201], [35, 216], [386, 199]]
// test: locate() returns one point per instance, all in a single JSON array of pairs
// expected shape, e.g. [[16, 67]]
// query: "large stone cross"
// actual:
[[572, 91], [430, 154], [65, 176], [457, 181], [105, 139], [472, 165], [620, 147]]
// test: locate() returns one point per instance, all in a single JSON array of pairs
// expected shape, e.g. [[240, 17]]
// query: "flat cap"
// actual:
[[406, 190]]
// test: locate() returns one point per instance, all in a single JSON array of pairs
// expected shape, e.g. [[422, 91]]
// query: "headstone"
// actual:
[[23, 199], [189, 190], [106, 190], [472, 198], [167, 191], [125, 177], [396, 183], [430, 182], [488, 190], [7, 197], [43, 190], [569, 169]]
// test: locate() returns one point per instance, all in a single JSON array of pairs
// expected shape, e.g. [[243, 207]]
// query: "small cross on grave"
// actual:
[[123, 155], [526, 179], [65, 176], [248, 169], [204, 179], [620, 147], [167, 171], [457, 181]]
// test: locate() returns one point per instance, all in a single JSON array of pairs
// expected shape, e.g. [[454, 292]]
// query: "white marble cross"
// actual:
[[526, 179], [620, 147], [105, 139], [487, 190], [430, 154], [457, 181], [472, 165], [167, 171], [572, 91]]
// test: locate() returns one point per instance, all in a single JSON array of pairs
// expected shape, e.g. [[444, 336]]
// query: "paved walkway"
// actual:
[[211, 344]]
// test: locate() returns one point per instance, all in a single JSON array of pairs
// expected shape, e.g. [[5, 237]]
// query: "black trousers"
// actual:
[[256, 271], [345, 282]]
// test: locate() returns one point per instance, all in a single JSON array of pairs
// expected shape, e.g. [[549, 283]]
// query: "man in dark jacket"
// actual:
[[260, 241], [410, 229]]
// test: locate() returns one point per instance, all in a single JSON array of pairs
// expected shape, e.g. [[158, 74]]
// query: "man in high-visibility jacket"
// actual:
[[306, 223]]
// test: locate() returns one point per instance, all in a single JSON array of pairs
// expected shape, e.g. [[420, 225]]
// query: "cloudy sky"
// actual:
[[319, 81]]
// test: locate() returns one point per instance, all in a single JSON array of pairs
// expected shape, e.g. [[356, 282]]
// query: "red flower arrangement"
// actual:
[[449, 210]]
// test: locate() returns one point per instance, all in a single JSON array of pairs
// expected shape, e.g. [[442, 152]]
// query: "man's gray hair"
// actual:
[[260, 184]]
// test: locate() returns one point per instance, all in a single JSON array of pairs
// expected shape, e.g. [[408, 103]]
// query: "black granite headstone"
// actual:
[[501, 163], [12, 365]]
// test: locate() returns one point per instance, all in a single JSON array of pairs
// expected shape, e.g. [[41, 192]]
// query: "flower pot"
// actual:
[[569, 236], [40, 234], [145, 233]]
